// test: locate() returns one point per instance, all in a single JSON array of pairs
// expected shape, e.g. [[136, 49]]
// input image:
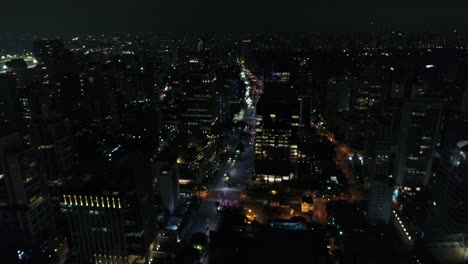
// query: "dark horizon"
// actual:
[[210, 16]]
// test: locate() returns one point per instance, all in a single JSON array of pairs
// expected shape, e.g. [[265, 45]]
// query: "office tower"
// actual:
[[26, 216], [342, 91], [368, 88], [19, 70], [143, 120], [305, 105], [49, 52], [167, 177], [97, 98], [380, 202], [54, 142], [111, 217], [96, 227], [419, 131], [9, 104], [303, 81], [128, 80], [223, 109], [378, 161], [448, 210], [447, 217], [56, 73], [168, 52], [199, 105], [380, 143], [198, 111], [276, 149], [337, 99], [379, 164], [367, 95]]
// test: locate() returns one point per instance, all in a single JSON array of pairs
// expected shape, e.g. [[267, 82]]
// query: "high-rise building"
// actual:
[[49, 51], [26, 215], [337, 99], [447, 215], [367, 95], [380, 143], [54, 142], [276, 137], [380, 202], [223, 109], [96, 227], [199, 111], [419, 131], [9, 104], [379, 156], [111, 218], [449, 209], [167, 177], [368, 88], [56, 73], [95, 96], [18, 69], [305, 104]]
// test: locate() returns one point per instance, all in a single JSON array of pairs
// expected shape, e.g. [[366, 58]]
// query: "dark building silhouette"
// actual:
[[10, 119], [112, 218], [419, 132], [26, 216]]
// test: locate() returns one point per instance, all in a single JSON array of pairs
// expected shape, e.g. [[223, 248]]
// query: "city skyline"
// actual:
[[235, 132]]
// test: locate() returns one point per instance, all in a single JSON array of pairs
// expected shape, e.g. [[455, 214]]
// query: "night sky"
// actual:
[[225, 15]]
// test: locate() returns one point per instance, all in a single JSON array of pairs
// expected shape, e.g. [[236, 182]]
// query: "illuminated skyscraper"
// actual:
[[199, 111], [276, 149], [111, 218], [368, 88], [419, 131]]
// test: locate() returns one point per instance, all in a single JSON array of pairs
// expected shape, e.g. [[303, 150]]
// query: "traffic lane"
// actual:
[[207, 210], [207, 216], [204, 218], [225, 165], [241, 169], [342, 159]]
